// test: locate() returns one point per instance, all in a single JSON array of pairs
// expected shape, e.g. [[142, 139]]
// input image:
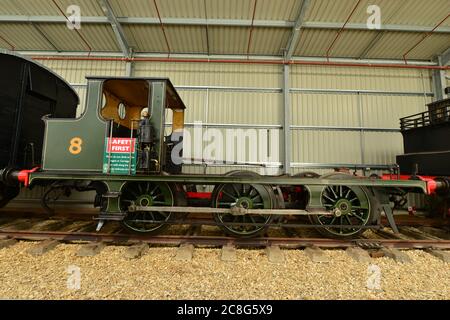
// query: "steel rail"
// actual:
[[220, 240]]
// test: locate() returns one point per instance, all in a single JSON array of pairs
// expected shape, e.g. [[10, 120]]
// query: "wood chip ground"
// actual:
[[157, 275]]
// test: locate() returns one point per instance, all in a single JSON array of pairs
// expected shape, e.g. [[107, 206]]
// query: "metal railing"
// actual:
[[427, 118]]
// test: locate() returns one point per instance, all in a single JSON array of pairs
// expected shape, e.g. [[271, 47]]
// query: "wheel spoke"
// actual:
[[227, 204], [348, 219], [348, 193], [320, 217], [153, 190], [235, 190], [334, 193], [332, 200], [162, 215], [356, 215], [258, 196], [157, 196], [332, 220], [228, 195]]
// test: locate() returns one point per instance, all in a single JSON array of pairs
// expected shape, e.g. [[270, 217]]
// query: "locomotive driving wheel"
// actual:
[[246, 196], [352, 209], [146, 194]]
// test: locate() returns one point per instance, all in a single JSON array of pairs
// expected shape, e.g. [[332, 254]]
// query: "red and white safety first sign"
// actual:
[[121, 145]]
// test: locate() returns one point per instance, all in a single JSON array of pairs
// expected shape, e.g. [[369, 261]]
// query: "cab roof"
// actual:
[[172, 95]]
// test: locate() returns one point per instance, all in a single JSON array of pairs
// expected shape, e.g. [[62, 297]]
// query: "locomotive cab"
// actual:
[[131, 114], [112, 135]]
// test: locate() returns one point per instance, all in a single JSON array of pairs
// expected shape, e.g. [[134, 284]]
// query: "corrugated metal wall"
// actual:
[[347, 115], [235, 95], [334, 109]]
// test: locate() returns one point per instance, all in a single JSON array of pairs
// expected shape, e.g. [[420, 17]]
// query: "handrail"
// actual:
[[427, 118]]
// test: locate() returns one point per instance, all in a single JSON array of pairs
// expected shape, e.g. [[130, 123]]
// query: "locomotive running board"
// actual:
[[219, 179], [233, 210]]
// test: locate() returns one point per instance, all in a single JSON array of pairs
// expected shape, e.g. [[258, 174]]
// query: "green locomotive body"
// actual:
[[122, 148]]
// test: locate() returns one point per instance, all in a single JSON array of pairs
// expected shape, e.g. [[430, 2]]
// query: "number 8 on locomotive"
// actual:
[[75, 145]]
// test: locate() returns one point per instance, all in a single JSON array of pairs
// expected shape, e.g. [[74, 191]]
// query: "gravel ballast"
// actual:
[[158, 275]]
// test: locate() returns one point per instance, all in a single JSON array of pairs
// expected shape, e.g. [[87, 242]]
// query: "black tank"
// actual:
[[28, 91]]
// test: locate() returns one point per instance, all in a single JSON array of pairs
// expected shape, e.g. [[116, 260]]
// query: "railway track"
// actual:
[[293, 242], [64, 229]]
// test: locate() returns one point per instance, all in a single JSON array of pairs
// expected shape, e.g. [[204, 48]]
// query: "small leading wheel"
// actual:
[[146, 194], [247, 196]]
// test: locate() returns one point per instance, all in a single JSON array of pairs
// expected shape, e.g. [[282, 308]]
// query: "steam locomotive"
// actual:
[[121, 148]]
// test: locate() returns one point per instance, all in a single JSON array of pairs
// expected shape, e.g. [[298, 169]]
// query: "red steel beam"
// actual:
[[342, 29], [79, 34], [424, 37], [251, 30], [162, 27], [244, 61]]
